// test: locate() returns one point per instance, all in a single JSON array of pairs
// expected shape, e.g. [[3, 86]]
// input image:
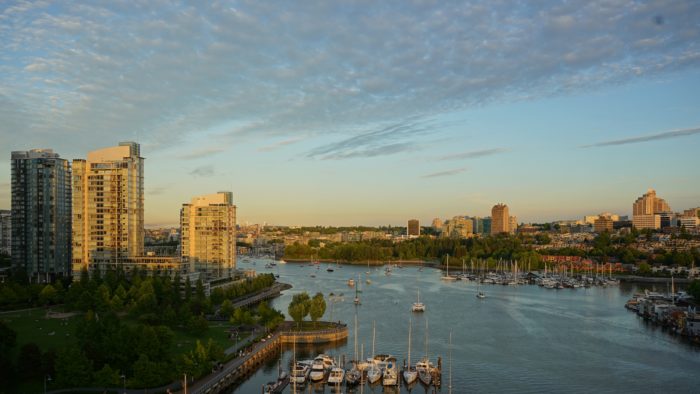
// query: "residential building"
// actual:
[[208, 235], [512, 224], [459, 227], [692, 212], [41, 214], [486, 222], [108, 208], [590, 219], [646, 210], [437, 224], [5, 232], [413, 228], [500, 219], [690, 223], [603, 223]]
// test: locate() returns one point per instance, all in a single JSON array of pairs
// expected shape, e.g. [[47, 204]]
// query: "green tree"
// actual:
[[644, 269], [73, 369], [226, 309], [28, 360], [299, 307], [318, 307], [107, 377], [8, 340], [47, 295], [694, 289]]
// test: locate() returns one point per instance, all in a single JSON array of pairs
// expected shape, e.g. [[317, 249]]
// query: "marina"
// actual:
[[522, 338]]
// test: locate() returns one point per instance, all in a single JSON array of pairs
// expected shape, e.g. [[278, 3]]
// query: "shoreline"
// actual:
[[375, 263]]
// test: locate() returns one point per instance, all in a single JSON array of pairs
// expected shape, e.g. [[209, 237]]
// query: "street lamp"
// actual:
[[46, 377], [124, 382]]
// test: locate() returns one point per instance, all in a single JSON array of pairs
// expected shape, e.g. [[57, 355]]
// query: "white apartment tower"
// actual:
[[208, 234], [108, 207]]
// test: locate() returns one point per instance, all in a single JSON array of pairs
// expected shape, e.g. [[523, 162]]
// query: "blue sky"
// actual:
[[366, 112]]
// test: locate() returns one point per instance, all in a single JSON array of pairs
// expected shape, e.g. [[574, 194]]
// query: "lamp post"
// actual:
[[46, 378], [124, 382]]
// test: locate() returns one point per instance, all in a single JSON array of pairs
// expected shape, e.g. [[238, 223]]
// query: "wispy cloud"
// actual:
[[203, 171], [473, 154], [198, 154], [385, 139], [189, 70], [645, 138], [156, 190], [280, 144], [445, 173]]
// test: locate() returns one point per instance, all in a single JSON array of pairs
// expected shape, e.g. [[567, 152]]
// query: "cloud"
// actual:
[[474, 154], [280, 144], [198, 154], [645, 138], [203, 171], [385, 139], [168, 74], [157, 190], [445, 173]]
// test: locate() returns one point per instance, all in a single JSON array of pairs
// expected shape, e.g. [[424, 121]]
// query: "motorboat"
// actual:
[[418, 306], [300, 372], [320, 368], [424, 369], [336, 376], [277, 386]]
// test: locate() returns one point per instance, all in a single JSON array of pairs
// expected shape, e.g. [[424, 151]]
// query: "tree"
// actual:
[[644, 269], [694, 289], [318, 307], [8, 340], [300, 306], [73, 369], [28, 361], [107, 377], [47, 295]]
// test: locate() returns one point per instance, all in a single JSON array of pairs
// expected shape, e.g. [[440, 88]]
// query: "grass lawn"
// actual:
[[311, 326], [47, 333], [217, 331]]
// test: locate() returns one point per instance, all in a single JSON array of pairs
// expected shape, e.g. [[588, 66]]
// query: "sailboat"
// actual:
[[357, 292], [424, 367], [374, 372], [409, 373], [418, 306], [447, 276], [354, 375]]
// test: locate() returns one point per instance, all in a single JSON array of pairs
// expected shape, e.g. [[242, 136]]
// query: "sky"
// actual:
[[363, 112]]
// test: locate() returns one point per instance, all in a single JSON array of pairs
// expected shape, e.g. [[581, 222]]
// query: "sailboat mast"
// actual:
[[450, 386], [410, 325], [374, 336]]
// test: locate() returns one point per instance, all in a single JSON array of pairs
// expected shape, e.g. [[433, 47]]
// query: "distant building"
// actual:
[[500, 219], [486, 222], [208, 234], [458, 227], [646, 210], [603, 224], [668, 219], [437, 224], [5, 232], [413, 228], [512, 224], [692, 212], [690, 223], [41, 214], [592, 218], [108, 208]]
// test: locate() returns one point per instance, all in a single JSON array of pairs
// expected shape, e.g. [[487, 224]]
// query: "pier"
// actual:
[[247, 364]]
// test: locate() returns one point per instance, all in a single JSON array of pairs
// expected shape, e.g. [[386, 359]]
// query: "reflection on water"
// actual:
[[518, 339]]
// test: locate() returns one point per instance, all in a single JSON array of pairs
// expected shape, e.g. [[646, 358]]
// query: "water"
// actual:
[[519, 339]]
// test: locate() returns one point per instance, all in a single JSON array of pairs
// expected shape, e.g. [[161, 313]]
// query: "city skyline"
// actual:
[[351, 114]]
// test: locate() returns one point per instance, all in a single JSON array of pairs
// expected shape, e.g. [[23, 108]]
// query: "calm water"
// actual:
[[519, 339]]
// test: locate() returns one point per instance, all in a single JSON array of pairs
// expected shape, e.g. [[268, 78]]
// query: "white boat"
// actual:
[[282, 261], [300, 372], [374, 371], [447, 275], [390, 377], [336, 376], [354, 375], [418, 306], [351, 282], [424, 369], [409, 373], [322, 364]]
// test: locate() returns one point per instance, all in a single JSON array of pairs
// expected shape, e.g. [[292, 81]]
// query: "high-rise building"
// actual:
[[413, 227], [603, 223], [437, 224], [512, 224], [108, 208], [486, 222], [459, 227], [646, 210], [208, 234], [41, 214], [500, 219], [5, 232]]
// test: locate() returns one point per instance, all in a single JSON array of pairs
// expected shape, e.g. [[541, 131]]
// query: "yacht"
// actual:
[[354, 375], [447, 276], [390, 377], [322, 364], [351, 282], [300, 372], [374, 373], [336, 376], [418, 306]]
